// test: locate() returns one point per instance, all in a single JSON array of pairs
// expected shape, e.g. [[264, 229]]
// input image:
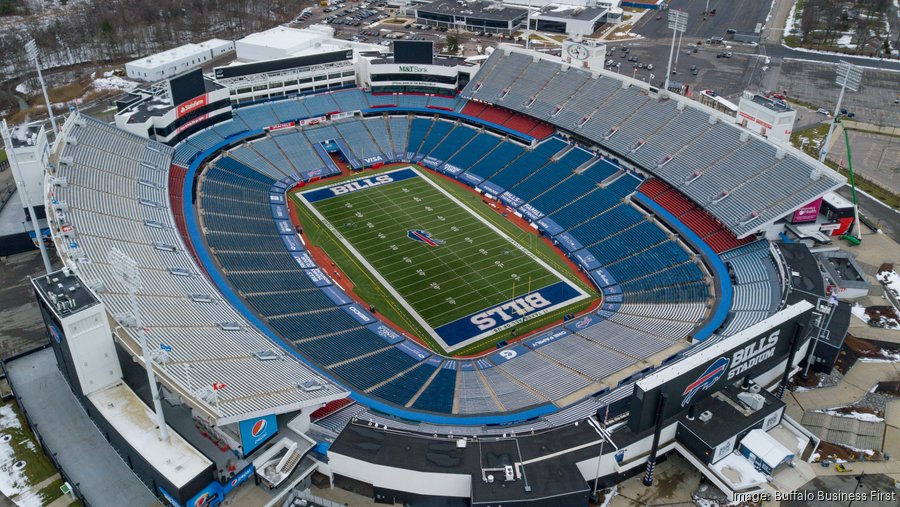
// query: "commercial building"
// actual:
[[474, 16], [177, 60], [766, 116], [289, 61]]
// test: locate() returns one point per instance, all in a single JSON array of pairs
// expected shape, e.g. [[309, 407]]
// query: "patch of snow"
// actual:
[[739, 472], [859, 312], [844, 41], [891, 280], [628, 34], [114, 83], [13, 482], [790, 23], [23, 87], [835, 53], [859, 416], [867, 452], [610, 494]]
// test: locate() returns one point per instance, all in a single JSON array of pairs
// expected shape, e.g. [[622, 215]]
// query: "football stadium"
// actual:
[[516, 290]]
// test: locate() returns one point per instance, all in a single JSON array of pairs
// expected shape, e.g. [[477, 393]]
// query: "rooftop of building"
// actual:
[[25, 134], [778, 106], [480, 9], [728, 414], [286, 41], [157, 105], [64, 292], [179, 53], [553, 11], [445, 61]]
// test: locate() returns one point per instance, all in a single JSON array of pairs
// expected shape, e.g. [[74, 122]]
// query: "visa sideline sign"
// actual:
[[752, 352]]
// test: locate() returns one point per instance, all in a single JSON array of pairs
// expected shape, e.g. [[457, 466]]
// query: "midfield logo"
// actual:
[[423, 237]]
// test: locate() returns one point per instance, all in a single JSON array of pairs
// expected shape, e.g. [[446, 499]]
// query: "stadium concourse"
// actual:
[[661, 201]]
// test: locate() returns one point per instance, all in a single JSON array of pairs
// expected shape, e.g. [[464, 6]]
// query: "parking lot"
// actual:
[[375, 23], [703, 68], [739, 15], [814, 83]]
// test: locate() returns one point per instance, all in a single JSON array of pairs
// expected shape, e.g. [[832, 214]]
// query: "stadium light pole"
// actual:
[[31, 50], [23, 193], [849, 77], [677, 22], [600, 428], [677, 53], [126, 270]]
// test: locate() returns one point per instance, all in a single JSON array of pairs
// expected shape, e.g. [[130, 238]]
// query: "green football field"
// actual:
[[440, 260]]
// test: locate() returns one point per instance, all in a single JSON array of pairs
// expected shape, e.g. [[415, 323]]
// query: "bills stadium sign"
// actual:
[[753, 352]]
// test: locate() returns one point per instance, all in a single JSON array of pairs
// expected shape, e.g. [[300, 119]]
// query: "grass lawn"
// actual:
[[470, 266], [22, 446]]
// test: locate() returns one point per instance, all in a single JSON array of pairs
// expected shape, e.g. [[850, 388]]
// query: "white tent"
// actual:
[[766, 452]]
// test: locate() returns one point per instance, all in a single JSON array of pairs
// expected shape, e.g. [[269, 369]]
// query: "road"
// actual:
[[888, 219]]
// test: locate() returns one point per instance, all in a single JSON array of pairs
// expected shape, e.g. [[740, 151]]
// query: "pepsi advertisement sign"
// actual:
[[209, 496], [238, 479], [255, 432]]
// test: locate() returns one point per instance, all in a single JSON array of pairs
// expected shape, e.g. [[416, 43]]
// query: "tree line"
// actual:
[[116, 30], [825, 21]]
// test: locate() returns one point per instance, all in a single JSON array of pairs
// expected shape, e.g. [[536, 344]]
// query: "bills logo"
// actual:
[[423, 237], [259, 427], [506, 312], [583, 323], [54, 332], [706, 380], [353, 186]]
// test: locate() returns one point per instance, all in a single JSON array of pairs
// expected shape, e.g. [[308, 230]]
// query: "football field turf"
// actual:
[[460, 277]]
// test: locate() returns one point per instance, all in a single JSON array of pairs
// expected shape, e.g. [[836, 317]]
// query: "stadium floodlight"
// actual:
[[849, 77], [678, 23], [23, 192], [128, 273], [31, 50]]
